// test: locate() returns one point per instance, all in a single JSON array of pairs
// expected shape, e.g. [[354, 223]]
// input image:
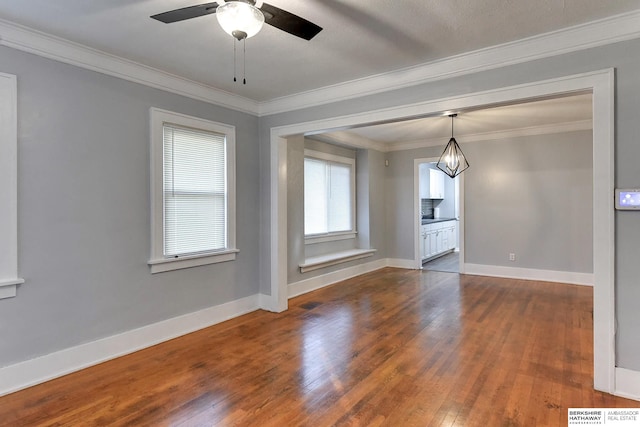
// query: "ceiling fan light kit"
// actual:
[[452, 161], [239, 19], [245, 9], [243, 19]]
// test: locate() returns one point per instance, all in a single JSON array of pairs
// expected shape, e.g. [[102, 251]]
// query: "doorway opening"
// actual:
[[600, 83], [438, 230]]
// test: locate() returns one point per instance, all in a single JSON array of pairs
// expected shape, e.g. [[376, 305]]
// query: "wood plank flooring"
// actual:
[[389, 348]]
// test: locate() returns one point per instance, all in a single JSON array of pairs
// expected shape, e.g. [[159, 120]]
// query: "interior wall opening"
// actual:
[[600, 83]]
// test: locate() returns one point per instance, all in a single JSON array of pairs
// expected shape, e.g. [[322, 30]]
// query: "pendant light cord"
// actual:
[[452, 116]]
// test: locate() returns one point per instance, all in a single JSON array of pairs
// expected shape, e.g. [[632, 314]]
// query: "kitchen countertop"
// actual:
[[432, 220]]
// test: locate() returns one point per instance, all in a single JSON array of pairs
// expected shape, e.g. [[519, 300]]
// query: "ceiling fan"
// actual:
[[243, 19]]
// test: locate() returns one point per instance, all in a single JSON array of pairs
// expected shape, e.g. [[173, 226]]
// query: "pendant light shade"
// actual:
[[452, 161], [239, 19]]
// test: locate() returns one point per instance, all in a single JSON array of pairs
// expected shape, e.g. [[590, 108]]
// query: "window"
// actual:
[[193, 191], [329, 197], [9, 279]]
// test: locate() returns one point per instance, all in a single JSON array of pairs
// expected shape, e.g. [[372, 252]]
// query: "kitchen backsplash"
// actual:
[[426, 208]]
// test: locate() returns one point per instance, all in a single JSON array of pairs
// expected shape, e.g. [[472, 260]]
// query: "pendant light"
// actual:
[[452, 161]]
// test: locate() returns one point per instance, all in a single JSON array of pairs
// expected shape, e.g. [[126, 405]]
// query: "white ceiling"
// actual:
[[360, 38], [534, 117]]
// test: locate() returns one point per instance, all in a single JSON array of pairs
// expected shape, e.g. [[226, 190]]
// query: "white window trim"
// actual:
[[158, 262], [9, 279], [330, 237], [339, 235]]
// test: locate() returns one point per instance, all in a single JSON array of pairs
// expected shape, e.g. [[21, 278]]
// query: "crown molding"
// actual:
[[32, 41], [492, 136], [592, 34]]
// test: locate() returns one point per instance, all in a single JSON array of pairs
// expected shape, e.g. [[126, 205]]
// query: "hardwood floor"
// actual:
[[392, 347]]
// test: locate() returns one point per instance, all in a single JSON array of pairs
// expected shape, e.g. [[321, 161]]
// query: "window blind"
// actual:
[[327, 197], [195, 191]]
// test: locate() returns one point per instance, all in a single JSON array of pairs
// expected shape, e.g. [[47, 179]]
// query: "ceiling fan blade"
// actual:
[[289, 22], [186, 13]]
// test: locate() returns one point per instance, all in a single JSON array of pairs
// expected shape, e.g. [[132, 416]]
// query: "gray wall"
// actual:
[[624, 56], [532, 196], [370, 180], [400, 211], [83, 208], [295, 206]]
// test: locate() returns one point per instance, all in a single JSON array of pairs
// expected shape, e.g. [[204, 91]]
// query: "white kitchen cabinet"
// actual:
[[428, 244], [428, 236], [450, 233], [423, 178], [436, 184], [443, 240], [452, 236], [437, 238], [433, 243]]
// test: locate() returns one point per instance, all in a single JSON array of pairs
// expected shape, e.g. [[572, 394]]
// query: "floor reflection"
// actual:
[[326, 350]]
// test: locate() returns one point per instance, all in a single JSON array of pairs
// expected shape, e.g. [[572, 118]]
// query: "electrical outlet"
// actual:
[[512, 257]]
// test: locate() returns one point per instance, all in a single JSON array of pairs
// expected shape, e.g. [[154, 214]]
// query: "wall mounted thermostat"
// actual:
[[628, 199]]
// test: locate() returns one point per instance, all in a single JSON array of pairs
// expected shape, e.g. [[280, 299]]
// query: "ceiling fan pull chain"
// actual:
[[234, 60], [244, 61]]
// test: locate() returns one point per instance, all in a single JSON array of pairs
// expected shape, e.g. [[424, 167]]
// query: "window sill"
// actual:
[[8, 289], [330, 237], [322, 261], [161, 265]]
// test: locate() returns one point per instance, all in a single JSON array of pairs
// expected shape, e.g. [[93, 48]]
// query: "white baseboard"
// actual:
[[627, 383], [268, 303], [53, 365], [409, 264], [529, 274], [317, 282]]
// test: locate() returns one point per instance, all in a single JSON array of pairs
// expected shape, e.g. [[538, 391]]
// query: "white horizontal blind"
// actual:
[[195, 191], [315, 200], [327, 197], [339, 209]]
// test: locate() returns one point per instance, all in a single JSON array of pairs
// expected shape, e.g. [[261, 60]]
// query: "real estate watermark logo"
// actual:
[[627, 417]]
